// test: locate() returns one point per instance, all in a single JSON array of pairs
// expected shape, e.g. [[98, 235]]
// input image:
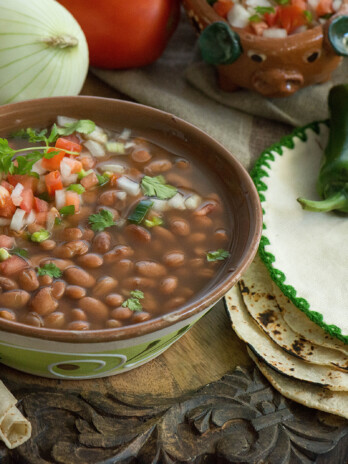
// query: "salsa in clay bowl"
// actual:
[[120, 226]]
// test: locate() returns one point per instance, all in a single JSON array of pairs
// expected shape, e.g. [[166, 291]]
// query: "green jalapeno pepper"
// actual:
[[332, 184]]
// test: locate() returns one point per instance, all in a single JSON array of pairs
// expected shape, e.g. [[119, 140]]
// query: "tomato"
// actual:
[[7, 186], [291, 17], [300, 3], [125, 34], [222, 7], [8, 210], [27, 200], [53, 182], [272, 18], [29, 182], [40, 205], [52, 164], [69, 145], [324, 7], [72, 198], [6, 241]]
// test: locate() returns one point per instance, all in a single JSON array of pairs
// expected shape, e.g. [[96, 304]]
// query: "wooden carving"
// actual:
[[238, 419]]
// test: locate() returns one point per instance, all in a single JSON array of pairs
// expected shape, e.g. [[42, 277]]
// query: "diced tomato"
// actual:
[[4, 196], [12, 265], [87, 162], [291, 17], [258, 27], [222, 7], [72, 198], [300, 3], [53, 182], [69, 145], [27, 200], [7, 211], [89, 181], [76, 166], [6, 241], [113, 180], [29, 182], [7, 186], [40, 205], [41, 217], [272, 18], [53, 164], [324, 7]]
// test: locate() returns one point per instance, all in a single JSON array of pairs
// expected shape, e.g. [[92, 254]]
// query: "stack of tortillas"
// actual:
[[15, 429]]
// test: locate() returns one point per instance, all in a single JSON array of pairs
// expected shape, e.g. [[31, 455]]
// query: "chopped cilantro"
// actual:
[[22, 252], [157, 187], [264, 9], [49, 269], [78, 188], [58, 221], [255, 18], [101, 220], [218, 255], [67, 210], [102, 180], [133, 303], [40, 236], [84, 126], [308, 15], [153, 222]]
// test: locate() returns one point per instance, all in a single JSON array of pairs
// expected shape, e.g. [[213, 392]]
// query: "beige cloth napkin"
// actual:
[[178, 84]]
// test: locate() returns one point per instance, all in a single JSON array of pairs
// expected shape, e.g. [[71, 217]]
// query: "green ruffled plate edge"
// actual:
[[257, 174]]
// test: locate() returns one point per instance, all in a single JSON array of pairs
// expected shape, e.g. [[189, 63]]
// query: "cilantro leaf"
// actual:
[[6, 155], [218, 255], [133, 303], [101, 220], [21, 252], [51, 154], [157, 187], [53, 135], [67, 210], [78, 188], [102, 180], [264, 9], [84, 126], [49, 269], [308, 15], [31, 134], [255, 18], [26, 162]]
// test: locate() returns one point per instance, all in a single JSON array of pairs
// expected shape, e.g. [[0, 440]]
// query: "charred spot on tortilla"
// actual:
[[267, 317], [243, 288], [297, 346]]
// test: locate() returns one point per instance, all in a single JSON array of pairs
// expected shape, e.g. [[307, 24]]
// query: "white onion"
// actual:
[[128, 186], [37, 167], [60, 198], [275, 33], [98, 135], [193, 201], [4, 195], [31, 217], [125, 134], [16, 196], [64, 120], [43, 51], [121, 195], [177, 201], [65, 168], [17, 221], [95, 148], [118, 168], [160, 205], [51, 218]]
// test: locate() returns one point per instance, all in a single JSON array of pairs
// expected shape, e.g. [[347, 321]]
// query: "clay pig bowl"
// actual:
[[273, 67]]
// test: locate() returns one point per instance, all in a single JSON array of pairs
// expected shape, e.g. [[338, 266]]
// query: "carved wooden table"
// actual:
[[201, 401]]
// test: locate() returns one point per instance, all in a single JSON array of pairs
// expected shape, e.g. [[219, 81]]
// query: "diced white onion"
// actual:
[[160, 205], [4, 195], [275, 33], [121, 195], [336, 5], [125, 134], [31, 217], [128, 186], [193, 201], [16, 194], [72, 179], [51, 218], [95, 148], [17, 222], [116, 147], [129, 145], [238, 16], [98, 135], [60, 197], [37, 167], [65, 168], [177, 202], [5, 221], [64, 120], [118, 168]]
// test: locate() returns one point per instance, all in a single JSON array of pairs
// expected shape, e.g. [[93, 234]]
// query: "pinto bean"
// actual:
[[138, 282], [28, 280], [195, 238], [43, 302], [104, 285], [168, 285], [150, 269], [96, 309], [221, 236], [182, 163], [163, 234], [140, 317], [14, 299], [88, 235], [7, 314], [33, 319], [72, 233], [113, 324], [102, 242], [78, 325], [180, 227], [174, 303], [7, 284], [6, 241], [121, 313], [158, 166], [32, 228], [58, 289], [78, 315], [140, 156], [117, 253], [138, 234], [75, 292], [205, 273], [114, 299], [108, 198], [61, 264], [71, 249], [174, 259], [185, 292], [113, 211], [124, 267], [55, 320], [149, 303], [205, 208], [196, 262], [178, 181], [91, 260], [90, 197], [203, 222], [76, 276], [45, 280], [48, 244]]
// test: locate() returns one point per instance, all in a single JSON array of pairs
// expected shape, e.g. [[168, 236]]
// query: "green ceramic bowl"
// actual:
[[99, 353]]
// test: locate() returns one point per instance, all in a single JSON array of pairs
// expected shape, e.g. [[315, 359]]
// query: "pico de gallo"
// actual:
[[276, 18]]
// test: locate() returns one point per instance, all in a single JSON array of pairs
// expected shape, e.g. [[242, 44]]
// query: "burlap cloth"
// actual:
[[180, 84]]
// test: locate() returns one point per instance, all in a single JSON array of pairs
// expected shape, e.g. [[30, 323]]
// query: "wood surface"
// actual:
[[164, 411]]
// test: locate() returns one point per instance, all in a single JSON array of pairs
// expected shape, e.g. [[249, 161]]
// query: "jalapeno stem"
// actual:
[[337, 201]]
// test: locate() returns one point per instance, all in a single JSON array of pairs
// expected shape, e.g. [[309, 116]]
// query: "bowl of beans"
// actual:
[[273, 47], [120, 226]]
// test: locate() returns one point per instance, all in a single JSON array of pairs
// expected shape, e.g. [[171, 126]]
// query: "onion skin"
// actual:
[[43, 51]]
